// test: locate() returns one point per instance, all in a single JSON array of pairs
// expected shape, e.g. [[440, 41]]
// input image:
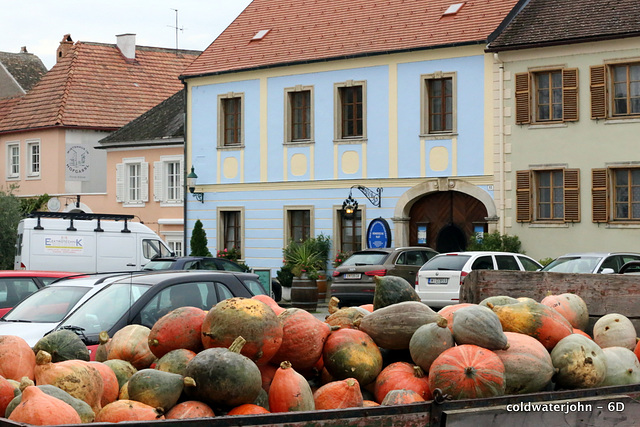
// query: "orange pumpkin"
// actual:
[[248, 409], [270, 302], [350, 353], [346, 317], [303, 339], [402, 375], [339, 395], [17, 359], [38, 408], [6, 394], [448, 310], [368, 307], [467, 372], [189, 409], [637, 350], [78, 378], [571, 306], [111, 388], [267, 372], [127, 410], [249, 318], [401, 397], [131, 343], [290, 391], [583, 333], [180, 328], [369, 403], [534, 319]]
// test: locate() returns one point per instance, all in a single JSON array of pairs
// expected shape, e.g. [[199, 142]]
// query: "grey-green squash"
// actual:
[[391, 290]]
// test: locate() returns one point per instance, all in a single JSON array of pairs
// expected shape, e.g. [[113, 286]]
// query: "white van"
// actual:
[[65, 241]]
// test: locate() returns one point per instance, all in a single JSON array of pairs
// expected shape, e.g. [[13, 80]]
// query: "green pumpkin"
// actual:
[[63, 345], [156, 388], [123, 370], [391, 290]]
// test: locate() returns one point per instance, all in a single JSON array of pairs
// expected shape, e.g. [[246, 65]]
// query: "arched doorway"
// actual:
[[445, 220]]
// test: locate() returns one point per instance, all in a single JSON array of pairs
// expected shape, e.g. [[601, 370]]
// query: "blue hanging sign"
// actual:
[[379, 234]]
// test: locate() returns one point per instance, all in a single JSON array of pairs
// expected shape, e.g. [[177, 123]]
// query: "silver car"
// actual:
[[591, 262]]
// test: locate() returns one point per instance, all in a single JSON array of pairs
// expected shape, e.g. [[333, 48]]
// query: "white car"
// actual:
[[439, 279], [44, 309], [591, 262]]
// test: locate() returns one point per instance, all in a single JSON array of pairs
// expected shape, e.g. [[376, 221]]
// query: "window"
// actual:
[[230, 120], [351, 232], [33, 162], [299, 115], [547, 96], [231, 227], [548, 195], [350, 110], [13, 160], [507, 262], [168, 180], [616, 194], [438, 105], [615, 90], [299, 221], [132, 182]]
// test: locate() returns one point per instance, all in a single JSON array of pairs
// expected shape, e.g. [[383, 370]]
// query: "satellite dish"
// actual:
[[53, 205]]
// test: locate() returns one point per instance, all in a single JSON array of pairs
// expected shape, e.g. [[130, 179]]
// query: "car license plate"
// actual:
[[437, 280], [352, 275]]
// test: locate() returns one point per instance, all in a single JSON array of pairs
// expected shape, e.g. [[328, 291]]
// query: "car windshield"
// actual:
[[158, 265], [446, 262], [105, 308], [49, 305], [577, 264], [366, 258]]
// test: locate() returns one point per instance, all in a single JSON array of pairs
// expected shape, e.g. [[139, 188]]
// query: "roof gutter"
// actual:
[[39, 128], [333, 58], [562, 42]]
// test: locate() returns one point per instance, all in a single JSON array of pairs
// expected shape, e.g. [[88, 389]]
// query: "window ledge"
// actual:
[[133, 205], [622, 226], [231, 147], [548, 125], [549, 225], [13, 178], [347, 141], [32, 177], [300, 143], [171, 204], [438, 136], [619, 120]]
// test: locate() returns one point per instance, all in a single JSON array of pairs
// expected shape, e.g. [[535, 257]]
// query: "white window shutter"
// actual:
[[120, 182], [158, 190], [181, 194], [144, 181]]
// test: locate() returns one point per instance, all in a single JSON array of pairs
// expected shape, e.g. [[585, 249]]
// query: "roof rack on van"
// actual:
[[81, 216]]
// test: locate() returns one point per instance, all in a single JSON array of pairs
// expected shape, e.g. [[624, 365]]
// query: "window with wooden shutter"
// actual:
[[523, 196], [572, 195], [598, 92], [599, 192], [570, 94], [523, 99]]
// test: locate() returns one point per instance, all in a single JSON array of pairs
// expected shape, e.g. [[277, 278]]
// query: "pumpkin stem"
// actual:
[[418, 372], [103, 338], [25, 382], [42, 358], [189, 382], [442, 322], [351, 382], [490, 305], [333, 305], [285, 365], [470, 371], [237, 344]]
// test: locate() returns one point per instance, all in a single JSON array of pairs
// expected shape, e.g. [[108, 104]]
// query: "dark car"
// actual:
[[144, 298], [353, 283], [204, 263]]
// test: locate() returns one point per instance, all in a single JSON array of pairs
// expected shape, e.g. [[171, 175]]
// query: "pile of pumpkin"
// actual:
[[252, 356]]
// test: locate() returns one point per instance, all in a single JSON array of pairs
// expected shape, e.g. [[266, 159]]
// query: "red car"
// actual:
[[16, 285]]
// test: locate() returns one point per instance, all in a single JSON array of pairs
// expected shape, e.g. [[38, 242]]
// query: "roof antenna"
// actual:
[[176, 28]]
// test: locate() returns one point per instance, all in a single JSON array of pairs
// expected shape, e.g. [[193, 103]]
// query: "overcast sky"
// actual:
[[40, 24]]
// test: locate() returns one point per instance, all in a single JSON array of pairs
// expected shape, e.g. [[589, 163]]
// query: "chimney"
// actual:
[[23, 49], [65, 46], [127, 45]]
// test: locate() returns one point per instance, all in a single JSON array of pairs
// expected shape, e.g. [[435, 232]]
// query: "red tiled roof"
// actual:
[[7, 104], [311, 30], [94, 86]]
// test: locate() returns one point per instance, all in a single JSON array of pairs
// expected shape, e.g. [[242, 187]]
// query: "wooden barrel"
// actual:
[[321, 282], [304, 294]]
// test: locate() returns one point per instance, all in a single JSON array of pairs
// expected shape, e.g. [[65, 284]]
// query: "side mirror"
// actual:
[[607, 271]]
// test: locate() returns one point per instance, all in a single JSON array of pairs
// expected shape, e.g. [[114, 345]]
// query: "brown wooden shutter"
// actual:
[[570, 94], [523, 196], [599, 195], [598, 92], [572, 195], [523, 99]]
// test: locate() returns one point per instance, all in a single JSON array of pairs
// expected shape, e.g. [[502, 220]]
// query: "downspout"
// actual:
[[501, 142], [185, 190]]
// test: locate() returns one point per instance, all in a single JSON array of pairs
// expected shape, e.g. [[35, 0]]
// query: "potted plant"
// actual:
[[304, 260]]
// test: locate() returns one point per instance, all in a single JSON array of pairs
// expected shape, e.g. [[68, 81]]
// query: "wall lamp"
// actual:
[[350, 205], [191, 183]]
